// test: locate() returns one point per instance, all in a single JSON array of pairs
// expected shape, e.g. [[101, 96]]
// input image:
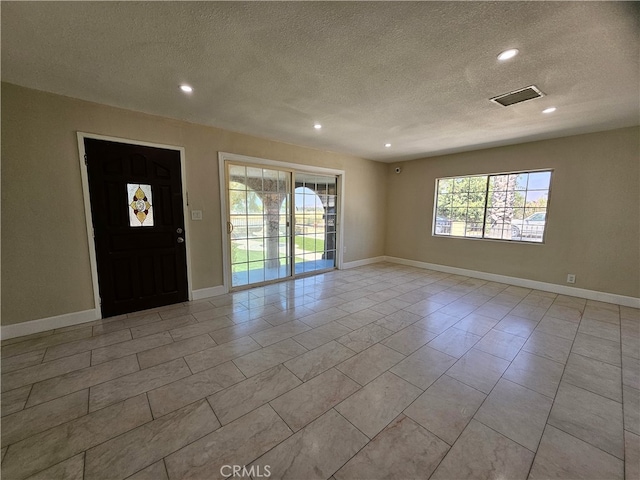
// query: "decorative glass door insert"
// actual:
[[140, 212]]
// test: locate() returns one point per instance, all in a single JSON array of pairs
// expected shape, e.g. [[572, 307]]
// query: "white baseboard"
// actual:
[[209, 292], [44, 324], [523, 282], [363, 262], [76, 318]]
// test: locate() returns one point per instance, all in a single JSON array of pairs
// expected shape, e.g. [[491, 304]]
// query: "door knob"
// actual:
[[179, 230], [180, 240]]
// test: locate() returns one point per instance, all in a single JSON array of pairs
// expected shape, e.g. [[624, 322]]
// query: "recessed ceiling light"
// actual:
[[507, 54], [186, 88], [387, 145], [317, 126], [549, 110]]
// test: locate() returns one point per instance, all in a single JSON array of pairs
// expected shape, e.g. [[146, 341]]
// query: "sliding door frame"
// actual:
[[224, 157]]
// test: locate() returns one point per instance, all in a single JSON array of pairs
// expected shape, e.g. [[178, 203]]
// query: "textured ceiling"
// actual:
[[415, 74]]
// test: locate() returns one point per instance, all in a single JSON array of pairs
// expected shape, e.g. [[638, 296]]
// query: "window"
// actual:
[[508, 206]]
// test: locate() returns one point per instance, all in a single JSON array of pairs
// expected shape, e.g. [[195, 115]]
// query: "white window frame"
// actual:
[[521, 241]]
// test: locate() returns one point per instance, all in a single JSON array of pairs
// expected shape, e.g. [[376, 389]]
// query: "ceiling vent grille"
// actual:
[[518, 96]]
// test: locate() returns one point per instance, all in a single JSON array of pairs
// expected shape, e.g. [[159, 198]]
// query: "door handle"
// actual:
[[179, 231], [180, 240], [229, 227]]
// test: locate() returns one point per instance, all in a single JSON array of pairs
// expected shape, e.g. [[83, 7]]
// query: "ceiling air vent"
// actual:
[[517, 96]]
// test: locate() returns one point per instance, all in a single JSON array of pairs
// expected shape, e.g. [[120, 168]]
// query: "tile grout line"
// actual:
[[88, 387], [458, 436], [485, 399], [624, 425], [369, 440], [72, 420], [535, 453], [591, 391], [564, 368], [164, 464], [153, 420]]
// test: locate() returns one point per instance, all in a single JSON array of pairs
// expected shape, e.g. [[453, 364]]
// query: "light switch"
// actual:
[[196, 214]]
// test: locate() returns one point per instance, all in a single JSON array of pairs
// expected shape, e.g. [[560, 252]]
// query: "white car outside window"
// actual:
[[532, 226]]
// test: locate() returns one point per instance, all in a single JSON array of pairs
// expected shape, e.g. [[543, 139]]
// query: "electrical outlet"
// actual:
[[571, 278], [344, 249], [196, 214]]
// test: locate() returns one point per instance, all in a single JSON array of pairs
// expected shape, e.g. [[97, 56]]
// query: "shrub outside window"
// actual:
[[507, 206]]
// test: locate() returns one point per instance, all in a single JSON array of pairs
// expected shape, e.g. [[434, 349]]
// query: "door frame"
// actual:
[[81, 136], [294, 167]]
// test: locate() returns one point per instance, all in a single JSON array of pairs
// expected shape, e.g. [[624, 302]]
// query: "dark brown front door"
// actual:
[[138, 221]]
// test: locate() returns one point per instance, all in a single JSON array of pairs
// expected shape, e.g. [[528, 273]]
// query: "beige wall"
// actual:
[[594, 214], [593, 228], [45, 254]]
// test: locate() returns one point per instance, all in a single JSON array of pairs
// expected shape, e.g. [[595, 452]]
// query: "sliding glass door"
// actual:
[[315, 222], [259, 224], [279, 223]]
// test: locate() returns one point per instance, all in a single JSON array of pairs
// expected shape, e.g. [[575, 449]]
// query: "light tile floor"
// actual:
[[383, 371]]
